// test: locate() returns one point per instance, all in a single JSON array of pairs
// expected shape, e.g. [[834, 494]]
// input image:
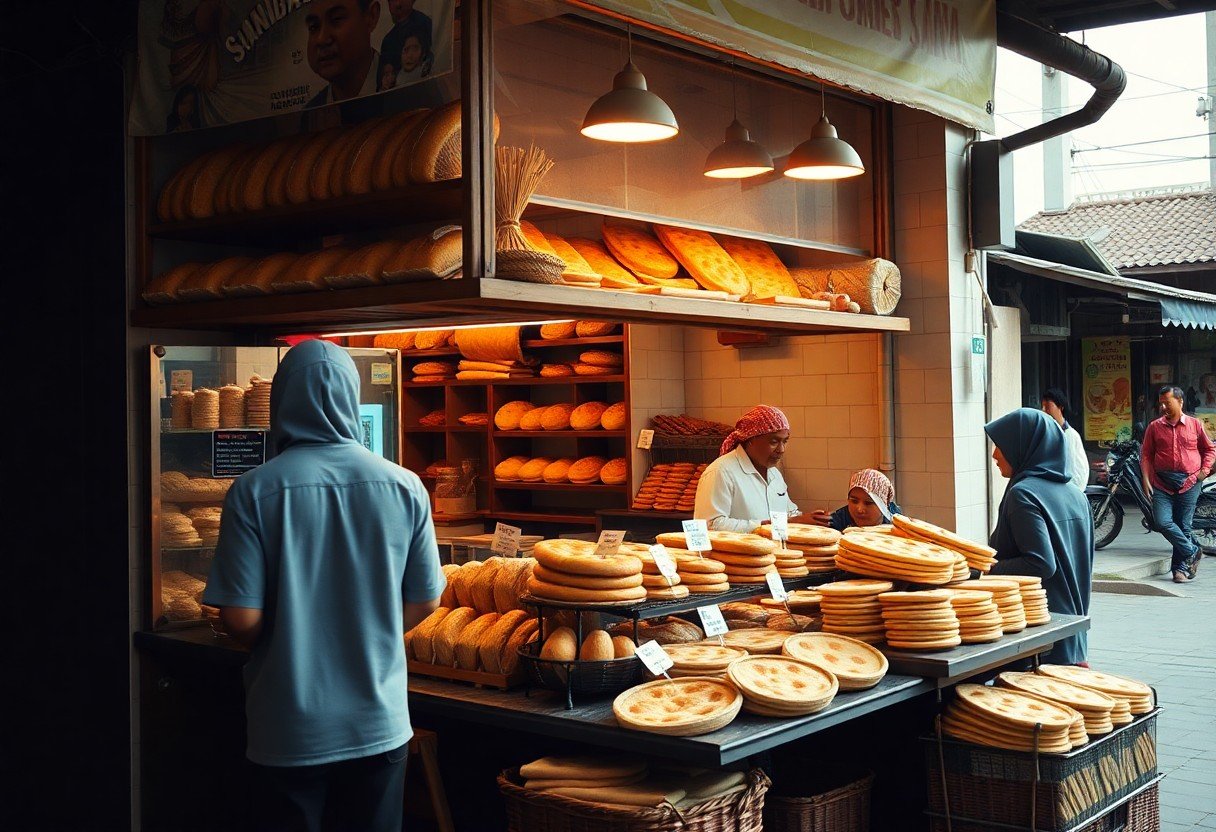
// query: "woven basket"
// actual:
[[533, 811], [529, 266], [874, 284], [844, 809]]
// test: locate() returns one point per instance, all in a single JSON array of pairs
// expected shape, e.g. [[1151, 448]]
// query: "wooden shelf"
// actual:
[[557, 486], [576, 434], [514, 382], [434, 201], [571, 517], [444, 428], [541, 343]]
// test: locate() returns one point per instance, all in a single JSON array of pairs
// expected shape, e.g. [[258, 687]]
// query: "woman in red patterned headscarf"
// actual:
[[741, 488]]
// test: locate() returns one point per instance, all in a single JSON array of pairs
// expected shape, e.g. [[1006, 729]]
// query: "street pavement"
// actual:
[[1167, 640]]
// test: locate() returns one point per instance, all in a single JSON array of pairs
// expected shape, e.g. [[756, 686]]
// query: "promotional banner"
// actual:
[[204, 63], [1107, 389], [934, 55]]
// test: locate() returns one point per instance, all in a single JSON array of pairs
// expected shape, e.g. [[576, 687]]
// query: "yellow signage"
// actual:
[[1106, 389], [933, 55]]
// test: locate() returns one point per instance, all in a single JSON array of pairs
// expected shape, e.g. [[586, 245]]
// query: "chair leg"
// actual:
[[426, 745]]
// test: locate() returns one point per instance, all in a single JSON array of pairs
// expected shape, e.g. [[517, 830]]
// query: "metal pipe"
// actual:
[[1055, 50], [886, 405]]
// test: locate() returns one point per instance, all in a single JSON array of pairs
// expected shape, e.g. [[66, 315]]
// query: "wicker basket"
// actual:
[[844, 809], [533, 811], [1140, 813], [583, 677], [874, 284]]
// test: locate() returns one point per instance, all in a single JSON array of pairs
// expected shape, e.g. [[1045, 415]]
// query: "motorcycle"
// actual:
[[1123, 476]]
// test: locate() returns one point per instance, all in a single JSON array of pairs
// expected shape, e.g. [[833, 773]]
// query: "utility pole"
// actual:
[[1210, 121], [1057, 151]]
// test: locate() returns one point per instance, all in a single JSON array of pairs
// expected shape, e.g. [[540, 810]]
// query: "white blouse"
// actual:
[[733, 496]]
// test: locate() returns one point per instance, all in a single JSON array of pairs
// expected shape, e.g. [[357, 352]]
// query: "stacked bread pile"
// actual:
[[205, 409], [636, 257], [683, 707], [666, 630], [180, 596], [463, 639], [181, 402], [920, 620], [470, 370], [979, 618], [707, 659], [669, 487], [570, 571], [206, 520], [630, 784], [1008, 598], [433, 371], [818, 545], [492, 585], [855, 664], [658, 586], [1034, 598], [852, 608], [979, 556], [562, 645], [1005, 718], [747, 557], [799, 601], [434, 419], [176, 487], [1134, 694], [232, 406], [565, 330], [771, 615], [782, 686], [685, 425], [478, 420], [176, 529], [895, 558], [1095, 707], [257, 402]]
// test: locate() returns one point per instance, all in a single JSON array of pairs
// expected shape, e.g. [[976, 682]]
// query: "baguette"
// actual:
[[252, 191], [370, 149], [470, 638], [446, 633], [494, 640], [276, 182], [524, 634], [344, 155], [422, 640], [299, 178], [398, 143]]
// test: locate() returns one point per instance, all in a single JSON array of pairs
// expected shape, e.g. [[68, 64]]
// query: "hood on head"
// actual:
[[1031, 442], [314, 397]]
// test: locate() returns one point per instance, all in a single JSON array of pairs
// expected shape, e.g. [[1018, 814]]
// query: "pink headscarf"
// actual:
[[876, 484], [758, 421]]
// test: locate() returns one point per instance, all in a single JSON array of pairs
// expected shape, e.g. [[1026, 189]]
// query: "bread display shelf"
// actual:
[[444, 428], [543, 434], [200, 548], [558, 486], [542, 343], [180, 431], [431, 201], [500, 681], [515, 382], [573, 516]]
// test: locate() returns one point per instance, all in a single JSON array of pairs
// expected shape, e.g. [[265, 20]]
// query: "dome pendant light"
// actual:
[[824, 155], [738, 157], [630, 112]]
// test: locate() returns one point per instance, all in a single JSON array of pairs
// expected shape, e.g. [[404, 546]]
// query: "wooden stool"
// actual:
[[426, 745]]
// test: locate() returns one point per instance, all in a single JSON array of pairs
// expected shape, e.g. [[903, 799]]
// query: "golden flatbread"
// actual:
[[765, 272], [639, 251], [707, 262], [601, 261]]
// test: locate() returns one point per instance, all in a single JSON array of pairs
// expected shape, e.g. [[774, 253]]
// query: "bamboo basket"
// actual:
[[874, 284], [517, 173]]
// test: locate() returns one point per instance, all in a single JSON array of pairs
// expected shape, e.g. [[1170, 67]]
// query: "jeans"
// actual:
[[1172, 514], [366, 794]]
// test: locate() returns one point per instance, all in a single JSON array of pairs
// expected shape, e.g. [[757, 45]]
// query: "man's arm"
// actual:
[[242, 623], [1146, 461], [1208, 451], [415, 611]]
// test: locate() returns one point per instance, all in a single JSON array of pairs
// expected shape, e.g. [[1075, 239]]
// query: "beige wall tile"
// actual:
[[928, 242], [942, 489], [939, 386], [854, 389], [742, 392], [907, 211], [824, 358], [931, 139], [853, 454], [910, 455], [804, 390], [915, 487], [692, 365], [863, 355], [639, 362]]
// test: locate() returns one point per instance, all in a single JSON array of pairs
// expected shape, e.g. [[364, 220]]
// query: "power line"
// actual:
[[1156, 80], [1146, 141], [1147, 163], [1071, 107]]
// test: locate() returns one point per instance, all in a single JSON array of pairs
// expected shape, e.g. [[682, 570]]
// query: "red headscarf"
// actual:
[[758, 421]]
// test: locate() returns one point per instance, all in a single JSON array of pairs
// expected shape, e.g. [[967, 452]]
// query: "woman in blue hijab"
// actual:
[[1044, 527]]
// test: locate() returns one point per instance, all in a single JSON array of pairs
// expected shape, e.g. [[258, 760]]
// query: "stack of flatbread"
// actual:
[[978, 556], [747, 557], [819, 545]]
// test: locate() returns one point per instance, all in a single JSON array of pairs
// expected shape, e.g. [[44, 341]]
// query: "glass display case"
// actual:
[[211, 423]]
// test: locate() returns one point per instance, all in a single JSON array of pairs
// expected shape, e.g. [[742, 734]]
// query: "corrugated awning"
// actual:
[[1179, 307]]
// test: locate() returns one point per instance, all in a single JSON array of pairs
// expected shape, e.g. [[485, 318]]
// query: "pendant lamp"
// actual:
[[824, 155], [629, 112], [738, 157]]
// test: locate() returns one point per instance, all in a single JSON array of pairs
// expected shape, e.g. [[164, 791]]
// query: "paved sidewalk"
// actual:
[[1170, 643]]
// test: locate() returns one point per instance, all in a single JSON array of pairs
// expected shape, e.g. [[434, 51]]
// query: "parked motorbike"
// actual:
[[1123, 476]]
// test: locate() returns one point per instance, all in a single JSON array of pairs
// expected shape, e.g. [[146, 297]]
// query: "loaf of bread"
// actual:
[[206, 191], [615, 417], [364, 266], [207, 283], [360, 165], [438, 254], [232, 184], [557, 417], [259, 277], [614, 472], [276, 182], [309, 272], [397, 146], [587, 416], [493, 642], [422, 640], [469, 640], [448, 631], [508, 416], [300, 177], [163, 288], [508, 469], [252, 191]]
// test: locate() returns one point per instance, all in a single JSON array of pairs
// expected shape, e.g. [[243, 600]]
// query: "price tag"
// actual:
[[696, 535], [664, 562], [645, 438], [780, 521], [382, 373], [506, 540], [712, 620], [775, 587], [609, 543], [655, 658], [184, 380]]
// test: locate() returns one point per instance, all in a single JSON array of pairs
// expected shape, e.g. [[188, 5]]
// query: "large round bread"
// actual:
[[299, 178], [482, 585], [422, 641], [557, 417], [587, 470], [638, 250], [614, 417], [587, 416], [507, 417], [494, 640], [593, 329], [508, 469], [578, 557], [557, 331], [448, 631], [532, 419], [557, 592], [251, 193], [558, 470], [614, 472], [467, 657], [309, 272], [551, 576]]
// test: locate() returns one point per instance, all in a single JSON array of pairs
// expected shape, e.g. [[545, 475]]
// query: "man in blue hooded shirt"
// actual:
[[326, 555], [1043, 527]]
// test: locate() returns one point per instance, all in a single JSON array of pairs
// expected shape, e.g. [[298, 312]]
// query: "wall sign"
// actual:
[[1106, 388], [233, 452]]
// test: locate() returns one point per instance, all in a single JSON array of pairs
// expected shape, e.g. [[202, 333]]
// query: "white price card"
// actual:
[[609, 543], [645, 438], [775, 587], [696, 535], [780, 521], [664, 561], [382, 373], [506, 540], [655, 658], [712, 620]]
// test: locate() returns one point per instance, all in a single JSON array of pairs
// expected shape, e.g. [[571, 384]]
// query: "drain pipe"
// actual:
[[1062, 53]]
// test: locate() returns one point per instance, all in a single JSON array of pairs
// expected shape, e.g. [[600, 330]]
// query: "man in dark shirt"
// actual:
[[406, 19], [1175, 456]]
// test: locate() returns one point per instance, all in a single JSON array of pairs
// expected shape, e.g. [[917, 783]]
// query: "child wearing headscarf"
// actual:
[[1043, 527], [871, 502], [738, 490]]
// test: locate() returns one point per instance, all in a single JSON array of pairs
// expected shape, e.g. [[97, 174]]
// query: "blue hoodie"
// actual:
[[329, 540], [1044, 527]]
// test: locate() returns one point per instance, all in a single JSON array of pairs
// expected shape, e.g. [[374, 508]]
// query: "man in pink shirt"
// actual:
[[1175, 456]]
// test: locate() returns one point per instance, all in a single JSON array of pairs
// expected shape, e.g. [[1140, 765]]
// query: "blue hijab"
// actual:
[[1031, 442]]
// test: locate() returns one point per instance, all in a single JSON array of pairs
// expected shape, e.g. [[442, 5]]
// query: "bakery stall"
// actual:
[[526, 294]]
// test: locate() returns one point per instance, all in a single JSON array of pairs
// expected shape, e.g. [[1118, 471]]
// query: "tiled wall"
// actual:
[[656, 372]]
